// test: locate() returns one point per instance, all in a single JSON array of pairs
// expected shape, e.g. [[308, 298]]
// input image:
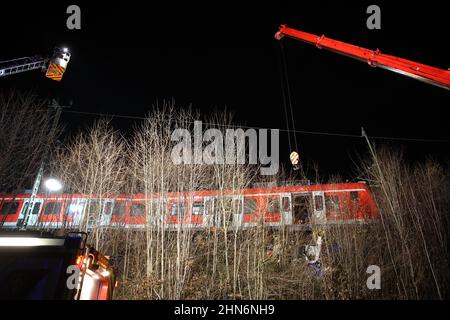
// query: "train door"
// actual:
[[228, 212], [319, 207], [138, 213], [237, 212], [286, 212], [105, 219], [301, 208], [208, 219], [222, 212], [92, 212], [353, 206], [273, 210], [74, 212], [22, 214], [34, 215], [177, 212], [158, 213]]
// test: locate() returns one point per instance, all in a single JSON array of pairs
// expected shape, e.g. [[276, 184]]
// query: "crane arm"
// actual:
[[418, 71]]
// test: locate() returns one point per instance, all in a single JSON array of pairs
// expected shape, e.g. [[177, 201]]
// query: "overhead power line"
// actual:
[[110, 115]]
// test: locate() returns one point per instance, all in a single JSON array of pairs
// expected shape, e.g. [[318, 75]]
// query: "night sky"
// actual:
[[222, 55]]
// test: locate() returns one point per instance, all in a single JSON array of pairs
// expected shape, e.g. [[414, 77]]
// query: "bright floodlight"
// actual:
[[65, 49], [53, 184], [29, 242]]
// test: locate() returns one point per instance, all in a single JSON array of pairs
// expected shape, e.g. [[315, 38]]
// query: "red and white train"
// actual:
[[275, 206]]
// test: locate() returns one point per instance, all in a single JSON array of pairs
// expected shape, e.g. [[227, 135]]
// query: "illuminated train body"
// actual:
[[276, 206]]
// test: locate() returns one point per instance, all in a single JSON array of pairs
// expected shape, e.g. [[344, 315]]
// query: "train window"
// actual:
[[119, 208], [318, 203], [93, 208], [198, 208], [36, 208], [249, 205], [332, 203], [273, 205], [354, 196], [177, 208], [137, 209], [75, 208], [286, 204], [9, 207], [108, 208], [52, 208]]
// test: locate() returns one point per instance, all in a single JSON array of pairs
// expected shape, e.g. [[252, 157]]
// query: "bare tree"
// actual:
[[219, 261], [24, 138]]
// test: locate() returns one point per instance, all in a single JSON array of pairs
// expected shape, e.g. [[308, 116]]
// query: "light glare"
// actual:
[[53, 185]]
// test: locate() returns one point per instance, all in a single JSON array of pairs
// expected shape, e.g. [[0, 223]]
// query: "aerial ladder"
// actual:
[[415, 70], [61, 267], [54, 67]]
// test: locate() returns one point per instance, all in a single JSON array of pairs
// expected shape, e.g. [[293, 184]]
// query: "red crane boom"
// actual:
[[419, 71]]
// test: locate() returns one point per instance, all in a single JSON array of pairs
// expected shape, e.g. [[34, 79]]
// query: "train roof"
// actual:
[[347, 186]]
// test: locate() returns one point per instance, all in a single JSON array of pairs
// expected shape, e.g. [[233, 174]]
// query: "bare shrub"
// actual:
[[413, 227], [93, 165]]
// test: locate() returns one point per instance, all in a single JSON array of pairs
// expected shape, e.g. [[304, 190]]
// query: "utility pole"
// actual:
[[37, 182]]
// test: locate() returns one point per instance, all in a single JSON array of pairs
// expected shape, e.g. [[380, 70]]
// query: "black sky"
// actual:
[[218, 55]]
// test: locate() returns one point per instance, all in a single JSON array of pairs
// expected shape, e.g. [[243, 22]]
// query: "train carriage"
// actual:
[[276, 206]]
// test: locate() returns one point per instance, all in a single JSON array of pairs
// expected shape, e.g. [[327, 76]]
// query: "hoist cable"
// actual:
[[283, 93], [288, 91]]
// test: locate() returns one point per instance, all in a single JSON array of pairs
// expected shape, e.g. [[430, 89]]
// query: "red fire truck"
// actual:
[[39, 266]]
